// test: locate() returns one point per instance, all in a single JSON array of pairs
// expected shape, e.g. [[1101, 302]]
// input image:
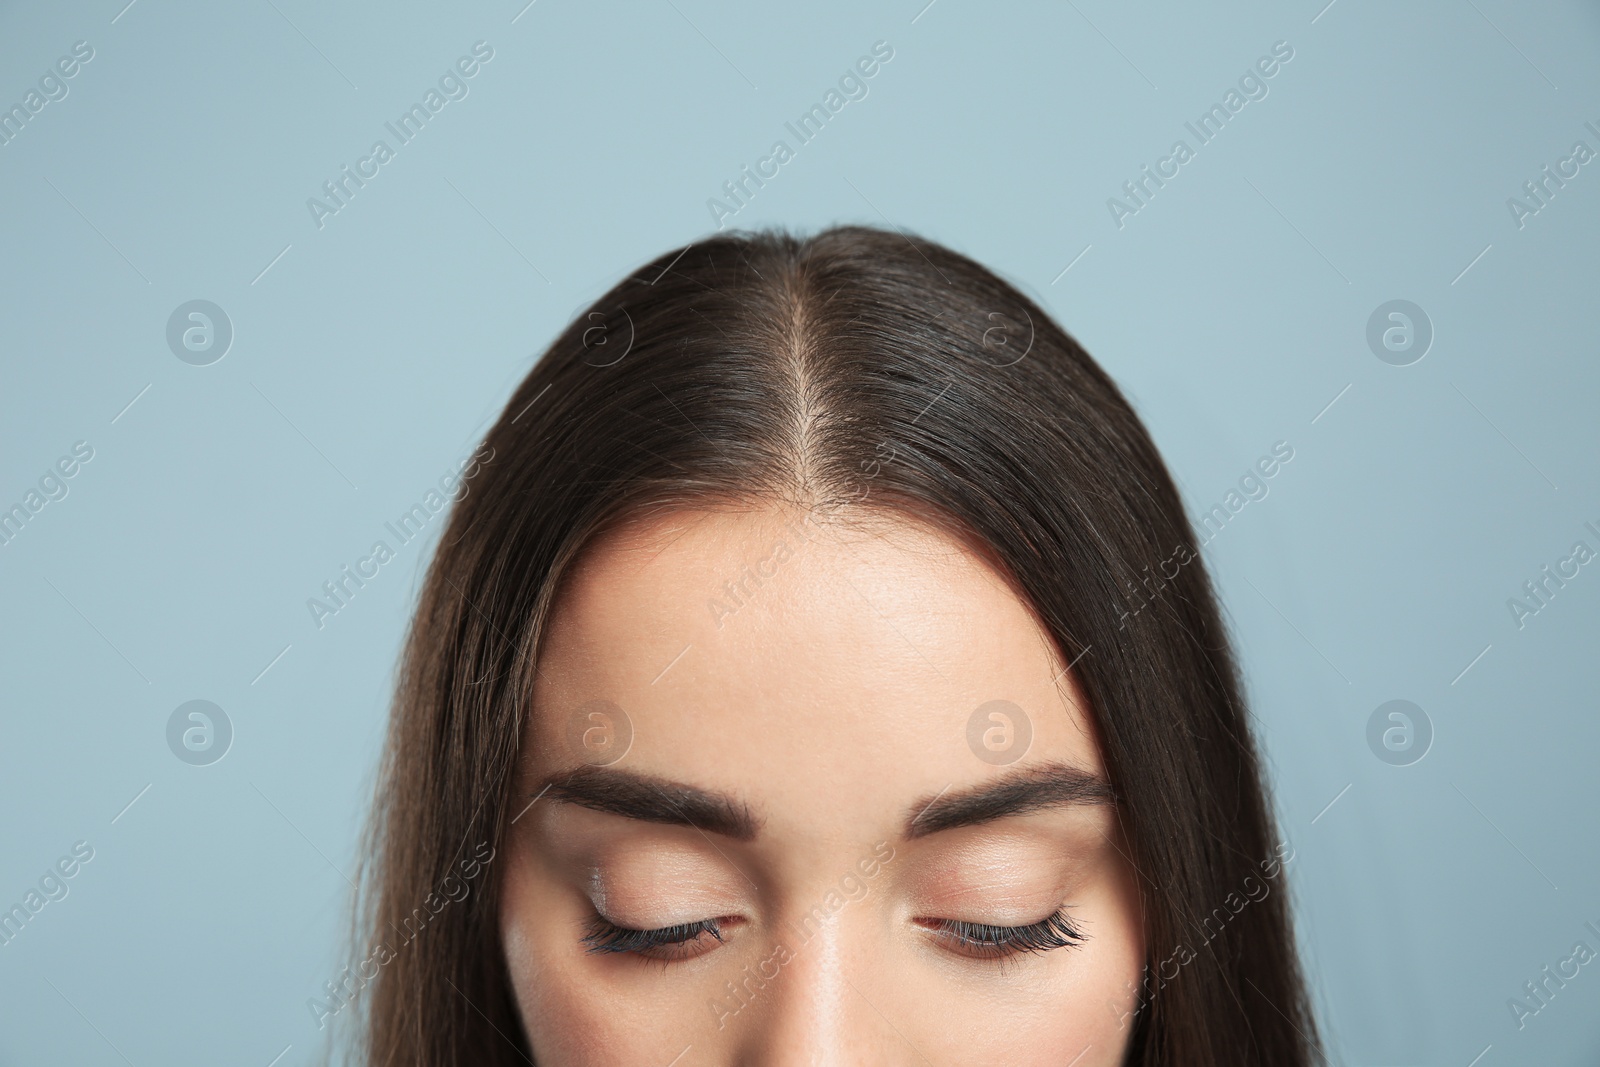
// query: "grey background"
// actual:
[[368, 355]]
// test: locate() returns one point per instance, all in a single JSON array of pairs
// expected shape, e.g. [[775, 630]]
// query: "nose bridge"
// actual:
[[814, 1011]]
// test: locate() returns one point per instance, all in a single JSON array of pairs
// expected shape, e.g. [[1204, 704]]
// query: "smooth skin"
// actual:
[[799, 772]]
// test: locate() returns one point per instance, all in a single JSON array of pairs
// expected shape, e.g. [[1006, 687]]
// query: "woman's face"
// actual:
[[777, 824]]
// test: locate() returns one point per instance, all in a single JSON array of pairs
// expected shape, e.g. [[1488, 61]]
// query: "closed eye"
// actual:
[[667, 943], [987, 942]]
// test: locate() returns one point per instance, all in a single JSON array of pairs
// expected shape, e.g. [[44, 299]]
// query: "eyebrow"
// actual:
[[1024, 792], [649, 798]]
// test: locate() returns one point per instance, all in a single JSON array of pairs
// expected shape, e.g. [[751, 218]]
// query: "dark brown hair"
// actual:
[[854, 366]]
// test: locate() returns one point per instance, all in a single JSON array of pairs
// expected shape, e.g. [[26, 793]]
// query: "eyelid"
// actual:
[[670, 942], [989, 941]]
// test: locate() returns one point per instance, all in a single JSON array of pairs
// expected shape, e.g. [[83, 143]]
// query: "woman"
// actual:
[[820, 672]]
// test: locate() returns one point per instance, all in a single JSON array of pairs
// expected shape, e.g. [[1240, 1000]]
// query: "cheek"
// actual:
[[1079, 1003], [579, 1009], [564, 1024], [1050, 1008], [1105, 1000]]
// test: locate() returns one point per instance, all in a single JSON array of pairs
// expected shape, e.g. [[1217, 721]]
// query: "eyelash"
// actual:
[[665, 943], [985, 942], [974, 940]]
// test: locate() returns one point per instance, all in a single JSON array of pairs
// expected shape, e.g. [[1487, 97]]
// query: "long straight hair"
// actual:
[[854, 367]]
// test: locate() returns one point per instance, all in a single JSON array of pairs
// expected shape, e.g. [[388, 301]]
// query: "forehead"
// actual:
[[806, 665]]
